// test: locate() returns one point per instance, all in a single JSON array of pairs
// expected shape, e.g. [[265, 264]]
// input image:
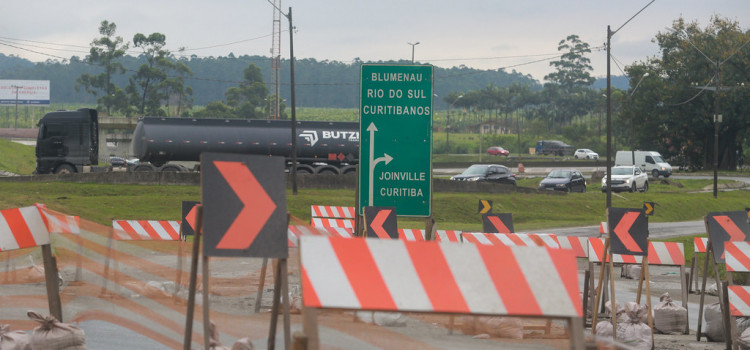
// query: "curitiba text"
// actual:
[[401, 192]]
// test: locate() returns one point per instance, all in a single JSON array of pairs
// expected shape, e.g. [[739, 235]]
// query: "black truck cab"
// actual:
[[67, 141]]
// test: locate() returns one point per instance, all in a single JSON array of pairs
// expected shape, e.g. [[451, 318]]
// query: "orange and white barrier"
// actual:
[[323, 222], [399, 275], [512, 239], [296, 231], [700, 244], [737, 254], [659, 253], [579, 245], [57, 223], [326, 211], [146, 230], [603, 227], [448, 236], [22, 228], [419, 235], [409, 234]]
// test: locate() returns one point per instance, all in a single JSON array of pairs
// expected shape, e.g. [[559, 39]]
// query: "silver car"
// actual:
[[627, 178]]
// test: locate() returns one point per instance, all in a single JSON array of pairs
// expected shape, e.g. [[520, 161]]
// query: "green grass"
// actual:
[[457, 211], [17, 158]]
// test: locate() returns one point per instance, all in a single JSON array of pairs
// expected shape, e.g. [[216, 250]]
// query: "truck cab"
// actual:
[[67, 141]]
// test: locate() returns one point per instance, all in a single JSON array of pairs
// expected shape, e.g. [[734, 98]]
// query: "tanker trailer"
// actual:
[[322, 147]]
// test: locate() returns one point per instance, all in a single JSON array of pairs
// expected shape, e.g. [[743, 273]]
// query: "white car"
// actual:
[[584, 153], [627, 178]]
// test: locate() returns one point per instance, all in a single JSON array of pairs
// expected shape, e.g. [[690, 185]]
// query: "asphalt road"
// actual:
[[656, 230]]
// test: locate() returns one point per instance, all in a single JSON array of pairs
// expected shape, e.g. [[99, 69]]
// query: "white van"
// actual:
[[651, 162]]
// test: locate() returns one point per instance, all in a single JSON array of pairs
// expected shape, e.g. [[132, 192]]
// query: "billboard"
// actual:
[[24, 92]]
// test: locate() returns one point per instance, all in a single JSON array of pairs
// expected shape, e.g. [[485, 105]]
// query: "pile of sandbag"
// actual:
[[669, 318], [52, 334], [604, 328], [13, 340], [634, 331]]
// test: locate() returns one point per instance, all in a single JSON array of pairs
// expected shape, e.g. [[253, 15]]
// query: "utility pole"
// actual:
[[717, 120]]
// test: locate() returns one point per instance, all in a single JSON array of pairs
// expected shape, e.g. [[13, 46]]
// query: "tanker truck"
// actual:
[[322, 147]]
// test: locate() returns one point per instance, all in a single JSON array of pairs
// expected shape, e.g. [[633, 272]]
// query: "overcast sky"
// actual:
[[483, 34]]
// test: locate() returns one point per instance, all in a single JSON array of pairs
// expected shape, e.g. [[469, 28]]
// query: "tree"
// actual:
[[573, 67], [248, 99], [568, 86], [144, 84], [105, 52], [673, 111]]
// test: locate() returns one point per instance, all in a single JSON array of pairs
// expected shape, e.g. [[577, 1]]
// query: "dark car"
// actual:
[[117, 162], [487, 173], [567, 180], [498, 151]]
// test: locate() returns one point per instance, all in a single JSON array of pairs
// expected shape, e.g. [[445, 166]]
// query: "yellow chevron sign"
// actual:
[[485, 206], [648, 208]]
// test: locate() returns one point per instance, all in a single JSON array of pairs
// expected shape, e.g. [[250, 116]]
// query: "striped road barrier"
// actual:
[[429, 277]]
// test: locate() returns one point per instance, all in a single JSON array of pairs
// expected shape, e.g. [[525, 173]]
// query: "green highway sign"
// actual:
[[395, 152]]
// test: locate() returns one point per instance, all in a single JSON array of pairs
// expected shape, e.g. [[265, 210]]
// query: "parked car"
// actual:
[[585, 153], [498, 151], [117, 162], [553, 147], [567, 180], [627, 178], [133, 161], [487, 173]]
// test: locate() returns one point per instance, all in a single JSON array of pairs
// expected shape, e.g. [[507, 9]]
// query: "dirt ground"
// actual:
[[142, 288]]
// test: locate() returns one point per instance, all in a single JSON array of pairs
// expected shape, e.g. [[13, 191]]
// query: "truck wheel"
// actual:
[[65, 169], [645, 186], [144, 167], [632, 188], [655, 173]]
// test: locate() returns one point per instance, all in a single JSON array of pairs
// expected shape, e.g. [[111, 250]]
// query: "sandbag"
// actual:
[[54, 335], [15, 340], [380, 318], [744, 340], [669, 318], [743, 323], [634, 332], [631, 271], [243, 344], [714, 322], [604, 329]]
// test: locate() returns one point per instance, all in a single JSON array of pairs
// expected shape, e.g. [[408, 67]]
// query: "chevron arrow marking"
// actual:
[[499, 225], [622, 230], [258, 206], [377, 223]]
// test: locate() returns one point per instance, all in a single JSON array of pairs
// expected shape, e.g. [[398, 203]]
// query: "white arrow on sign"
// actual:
[[386, 158]]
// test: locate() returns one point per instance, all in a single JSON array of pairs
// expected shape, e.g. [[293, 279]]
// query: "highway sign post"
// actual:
[[396, 138]]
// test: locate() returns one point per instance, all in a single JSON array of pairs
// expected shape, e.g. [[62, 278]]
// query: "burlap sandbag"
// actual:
[[634, 332], [54, 335], [243, 344], [669, 318], [744, 340], [15, 340], [714, 322]]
